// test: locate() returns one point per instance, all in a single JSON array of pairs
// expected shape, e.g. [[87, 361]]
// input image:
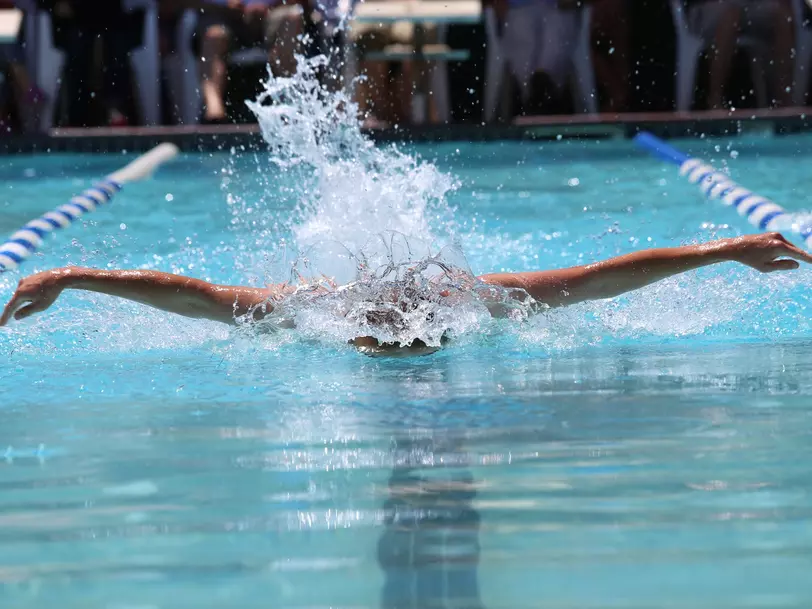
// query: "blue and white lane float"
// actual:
[[29, 238], [759, 211]]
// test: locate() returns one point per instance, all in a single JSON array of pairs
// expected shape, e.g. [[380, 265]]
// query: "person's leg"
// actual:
[[401, 92], [721, 22], [335, 43], [80, 71], [284, 28], [610, 24], [116, 82], [9, 110], [519, 40], [771, 21], [389, 92], [783, 51], [466, 79], [404, 75], [13, 56], [19, 75], [553, 61], [214, 48], [373, 86], [27, 97]]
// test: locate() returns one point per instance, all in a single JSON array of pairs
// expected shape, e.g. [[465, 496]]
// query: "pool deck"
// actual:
[[601, 126]]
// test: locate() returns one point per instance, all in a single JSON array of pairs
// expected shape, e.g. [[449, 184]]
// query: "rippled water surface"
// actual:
[[650, 451]]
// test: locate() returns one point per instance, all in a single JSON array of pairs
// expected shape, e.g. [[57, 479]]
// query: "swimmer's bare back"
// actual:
[[198, 299]]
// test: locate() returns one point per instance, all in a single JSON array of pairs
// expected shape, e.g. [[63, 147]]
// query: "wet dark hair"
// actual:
[[393, 316], [397, 307]]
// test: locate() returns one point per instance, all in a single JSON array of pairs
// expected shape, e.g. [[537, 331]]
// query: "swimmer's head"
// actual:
[[396, 314], [369, 345]]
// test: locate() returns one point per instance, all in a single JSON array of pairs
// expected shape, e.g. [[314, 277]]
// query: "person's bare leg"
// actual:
[[388, 95], [282, 55], [371, 92], [783, 48], [610, 20], [434, 117], [721, 53], [21, 86], [214, 49], [403, 92], [21, 82]]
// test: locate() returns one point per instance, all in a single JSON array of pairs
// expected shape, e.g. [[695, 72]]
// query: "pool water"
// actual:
[[648, 451]]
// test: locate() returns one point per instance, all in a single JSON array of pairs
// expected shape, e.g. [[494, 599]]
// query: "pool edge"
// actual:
[[200, 138]]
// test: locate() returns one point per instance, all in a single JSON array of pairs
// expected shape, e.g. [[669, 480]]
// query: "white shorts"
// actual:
[[758, 17], [540, 37]]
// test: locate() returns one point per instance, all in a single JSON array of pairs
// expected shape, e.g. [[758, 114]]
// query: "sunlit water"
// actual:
[[650, 451]]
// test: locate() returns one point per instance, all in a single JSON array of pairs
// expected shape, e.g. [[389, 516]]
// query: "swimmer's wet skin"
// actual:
[[190, 297]]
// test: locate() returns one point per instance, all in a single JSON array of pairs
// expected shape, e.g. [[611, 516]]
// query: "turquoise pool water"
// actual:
[[649, 451]]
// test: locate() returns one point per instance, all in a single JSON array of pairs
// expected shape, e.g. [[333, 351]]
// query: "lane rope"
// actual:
[[23, 243], [760, 211]]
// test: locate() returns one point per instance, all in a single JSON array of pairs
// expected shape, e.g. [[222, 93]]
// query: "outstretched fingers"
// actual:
[[793, 251], [30, 309], [783, 264], [787, 248], [11, 308]]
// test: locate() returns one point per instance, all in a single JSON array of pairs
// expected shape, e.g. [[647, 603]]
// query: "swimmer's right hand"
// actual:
[[165, 291], [36, 293], [766, 252]]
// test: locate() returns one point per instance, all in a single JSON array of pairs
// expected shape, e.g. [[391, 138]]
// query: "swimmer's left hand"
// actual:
[[766, 252]]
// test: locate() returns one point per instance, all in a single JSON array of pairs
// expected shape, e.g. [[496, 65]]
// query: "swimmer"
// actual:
[[190, 297]]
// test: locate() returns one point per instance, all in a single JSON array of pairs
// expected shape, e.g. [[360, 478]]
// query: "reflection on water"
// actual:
[[429, 549], [453, 482]]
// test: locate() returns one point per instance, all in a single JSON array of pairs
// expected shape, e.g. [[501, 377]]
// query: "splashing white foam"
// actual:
[[351, 191], [363, 219]]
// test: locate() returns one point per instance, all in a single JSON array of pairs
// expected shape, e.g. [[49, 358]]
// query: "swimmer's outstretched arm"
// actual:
[[174, 293], [765, 252]]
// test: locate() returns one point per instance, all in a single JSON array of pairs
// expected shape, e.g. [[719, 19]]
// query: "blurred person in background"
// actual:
[[170, 13], [539, 37], [170, 16], [27, 98], [324, 28], [466, 79], [78, 26], [235, 24], [724, 21], [384, 95], [611, 52]]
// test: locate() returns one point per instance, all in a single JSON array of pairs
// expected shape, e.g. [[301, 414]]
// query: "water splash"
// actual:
[[350, 190], [363, 220], [379, 220], [415, 295]]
